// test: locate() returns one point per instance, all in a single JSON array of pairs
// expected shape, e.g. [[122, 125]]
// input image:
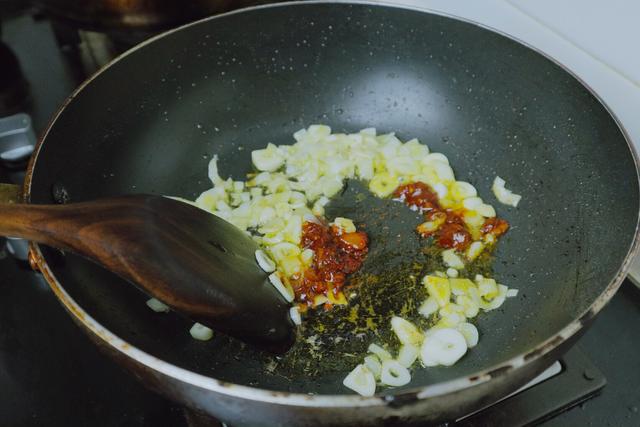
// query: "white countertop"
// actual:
[[598, 41]]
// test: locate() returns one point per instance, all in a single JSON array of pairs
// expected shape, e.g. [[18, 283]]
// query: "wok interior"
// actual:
[[232, 84]]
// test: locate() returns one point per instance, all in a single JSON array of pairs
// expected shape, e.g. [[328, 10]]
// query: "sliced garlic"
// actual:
[[157, 305], [318, 206], [497, 301], [489, 238], [426, 357], [307, 256], [475, 221], [460, 286], [441, 190], [444, 172], [438, 287], [319, 300], [461, 190], [450, 320], [486, 211], [474, 250], [361, 381], [487, 288], [512, 293], [471, 307], [277, 283], [380, 352], [408, 354], [429, 227], [284, 250], [472, 203], [318, 131], [470, 333], [294, 184], [213, 171], [435, 157], [443, 347], [345, 224], [452, 259], [294, 313], [265, 263], [416, 149], [364, 167], [268, 159], [373, 364], [383, 184], [428, 307], [201, 332], [299, 135], [394, 374], [406, 331], [503, 195]]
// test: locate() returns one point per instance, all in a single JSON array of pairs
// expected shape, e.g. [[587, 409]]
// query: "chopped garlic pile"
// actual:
[[295, 182], [457, 299], [453, 301]]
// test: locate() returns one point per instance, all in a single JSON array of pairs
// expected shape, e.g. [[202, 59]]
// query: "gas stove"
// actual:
[[50, 374]]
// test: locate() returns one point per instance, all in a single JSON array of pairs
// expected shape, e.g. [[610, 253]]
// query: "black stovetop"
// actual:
[[51, 374]]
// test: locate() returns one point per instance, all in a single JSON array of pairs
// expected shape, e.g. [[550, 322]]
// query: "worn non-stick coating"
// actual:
[[154, 119]]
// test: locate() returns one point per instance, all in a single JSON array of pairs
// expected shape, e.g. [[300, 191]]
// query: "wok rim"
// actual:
[[328, 400]]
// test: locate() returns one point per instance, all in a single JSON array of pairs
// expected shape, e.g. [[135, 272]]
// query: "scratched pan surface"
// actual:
[[151, 122]]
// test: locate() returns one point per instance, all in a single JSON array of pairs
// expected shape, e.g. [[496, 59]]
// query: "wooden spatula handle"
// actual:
[[48, 224]]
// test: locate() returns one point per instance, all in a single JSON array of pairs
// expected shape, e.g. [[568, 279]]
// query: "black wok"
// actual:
[[151, 120]]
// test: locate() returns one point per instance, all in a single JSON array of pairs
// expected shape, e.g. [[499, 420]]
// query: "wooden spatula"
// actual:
[[196, 263]]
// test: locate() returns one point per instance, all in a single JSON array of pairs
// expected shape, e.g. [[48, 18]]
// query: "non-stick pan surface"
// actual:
[[152, 120]]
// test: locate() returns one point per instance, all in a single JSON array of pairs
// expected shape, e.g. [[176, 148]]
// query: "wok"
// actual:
[[151, 120]]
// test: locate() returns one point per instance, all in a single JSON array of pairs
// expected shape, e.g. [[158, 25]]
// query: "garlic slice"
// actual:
[[452, 272], [265, 263], [157, 305], [373, 364], [201, 332], [452, 259], [277, 283], [268, 159], [428, 307], [438, 288], [443, 347], [474, 250], [512, 293], [503, 195], [406, 331], [407, 355], [470, 333], [294, 313], [380, 352], [394, 374], [361, 381]]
